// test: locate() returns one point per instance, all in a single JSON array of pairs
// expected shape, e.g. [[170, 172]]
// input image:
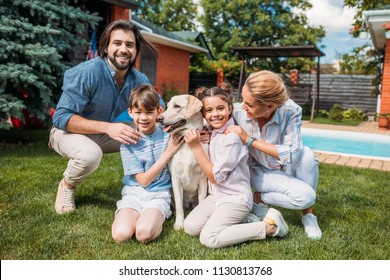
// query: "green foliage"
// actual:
[[322, 113], [360, 6], [168, 91], [37, 38], [230, 68], [9, 106], [362, 61], [354, 114], [161, 13], [252, 23], [336, 113]]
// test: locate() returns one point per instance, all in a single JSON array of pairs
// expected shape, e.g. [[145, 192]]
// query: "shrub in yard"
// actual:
[[355, 114], [168, 91], [336, 113], [306, 110], [322, 114]]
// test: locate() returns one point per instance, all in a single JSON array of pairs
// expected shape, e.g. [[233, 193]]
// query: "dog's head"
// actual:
[[183, 113]]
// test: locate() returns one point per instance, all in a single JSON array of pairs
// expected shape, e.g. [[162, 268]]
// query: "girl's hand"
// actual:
[[175, 143], [239, 131], [205, 135], [192, 138]]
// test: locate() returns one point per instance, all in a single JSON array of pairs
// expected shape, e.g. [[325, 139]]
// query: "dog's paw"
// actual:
[[178, 226]]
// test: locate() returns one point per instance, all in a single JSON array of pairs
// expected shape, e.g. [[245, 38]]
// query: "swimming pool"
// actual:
[[348, 143]]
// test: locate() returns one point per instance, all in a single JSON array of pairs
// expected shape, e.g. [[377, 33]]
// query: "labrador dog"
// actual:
[[189, 183]]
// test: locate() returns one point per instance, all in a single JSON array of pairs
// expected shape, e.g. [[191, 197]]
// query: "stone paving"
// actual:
[[353, 161]]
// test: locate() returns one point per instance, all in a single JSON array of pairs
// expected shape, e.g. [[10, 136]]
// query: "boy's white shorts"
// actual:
[[138, 198]]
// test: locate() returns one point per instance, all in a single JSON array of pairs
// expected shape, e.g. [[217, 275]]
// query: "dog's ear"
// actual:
[[194, 105]]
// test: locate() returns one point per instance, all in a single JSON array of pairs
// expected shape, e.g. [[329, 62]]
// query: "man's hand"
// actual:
[[123, 133]]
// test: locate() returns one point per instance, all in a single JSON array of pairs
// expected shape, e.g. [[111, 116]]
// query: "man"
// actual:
[[94, 93]]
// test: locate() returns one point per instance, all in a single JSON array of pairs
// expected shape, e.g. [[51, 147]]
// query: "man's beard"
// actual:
[[120, 66]]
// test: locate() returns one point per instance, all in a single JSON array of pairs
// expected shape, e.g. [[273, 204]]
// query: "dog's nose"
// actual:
[[160, 119]]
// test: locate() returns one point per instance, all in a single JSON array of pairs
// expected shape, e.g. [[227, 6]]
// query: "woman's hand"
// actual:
[[239, 131]]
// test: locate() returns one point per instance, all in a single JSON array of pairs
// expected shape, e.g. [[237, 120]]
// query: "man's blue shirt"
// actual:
[[90, 91]]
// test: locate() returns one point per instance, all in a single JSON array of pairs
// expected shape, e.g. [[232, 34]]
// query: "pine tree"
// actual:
[[36, 38]]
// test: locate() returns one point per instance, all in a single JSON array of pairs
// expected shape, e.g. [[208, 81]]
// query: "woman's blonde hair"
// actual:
[[267, 88]]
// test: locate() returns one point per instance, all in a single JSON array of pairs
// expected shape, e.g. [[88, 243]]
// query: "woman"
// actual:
[[284, 173]]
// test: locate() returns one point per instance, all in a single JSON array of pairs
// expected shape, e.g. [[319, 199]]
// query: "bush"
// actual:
[[355, 114], [168, 91], [322, 114], [336, 113], [306, 110]]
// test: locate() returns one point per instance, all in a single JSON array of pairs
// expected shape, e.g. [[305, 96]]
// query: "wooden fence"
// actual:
[[347, 90]]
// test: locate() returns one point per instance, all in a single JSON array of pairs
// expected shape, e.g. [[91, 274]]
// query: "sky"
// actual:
[[336, 20]]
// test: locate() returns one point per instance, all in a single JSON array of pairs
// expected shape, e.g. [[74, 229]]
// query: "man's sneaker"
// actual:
[[64, 200], [251, 218], [312, 229], [274, 217], [260, 210]]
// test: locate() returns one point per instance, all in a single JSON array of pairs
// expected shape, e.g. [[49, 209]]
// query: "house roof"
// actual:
[[124, 3], [195, 36], [374, 20], [161, 36], [286, 51]]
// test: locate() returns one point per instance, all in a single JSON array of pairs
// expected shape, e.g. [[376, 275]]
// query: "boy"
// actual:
[[146, 199]]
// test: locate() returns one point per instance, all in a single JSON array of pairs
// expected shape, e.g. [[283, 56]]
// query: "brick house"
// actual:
[[171, 68], [375, 19]]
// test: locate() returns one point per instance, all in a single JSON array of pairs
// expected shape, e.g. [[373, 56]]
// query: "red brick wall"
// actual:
[[173, 66], [119, 13], [385, 94]]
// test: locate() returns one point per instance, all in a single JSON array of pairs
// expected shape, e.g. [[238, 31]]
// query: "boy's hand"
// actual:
[[175, 143]]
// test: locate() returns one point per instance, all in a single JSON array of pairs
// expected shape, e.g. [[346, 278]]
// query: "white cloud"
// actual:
[[332, 15], [336, 20]]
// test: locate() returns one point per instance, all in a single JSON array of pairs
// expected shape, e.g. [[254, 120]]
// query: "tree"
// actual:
[[360, 61], [369, 62], [36, 38], [360, 6], [161, 13], [259, 23]]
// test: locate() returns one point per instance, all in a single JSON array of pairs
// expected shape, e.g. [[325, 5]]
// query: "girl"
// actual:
[[217, 219], [146, 199]]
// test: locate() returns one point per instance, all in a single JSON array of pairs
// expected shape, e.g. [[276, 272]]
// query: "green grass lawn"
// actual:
[[352, 208]]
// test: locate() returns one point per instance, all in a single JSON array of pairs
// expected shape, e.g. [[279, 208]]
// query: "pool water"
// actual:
[[353, 143]]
